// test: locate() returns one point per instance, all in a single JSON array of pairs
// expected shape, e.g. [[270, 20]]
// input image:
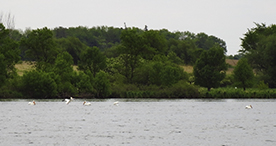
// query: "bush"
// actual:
[[38, 84], [240, 93]]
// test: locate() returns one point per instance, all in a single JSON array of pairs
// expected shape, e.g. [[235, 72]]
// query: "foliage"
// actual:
[[73, 46], [243, 74], [262, 85], [38, 84], [101, 84], [9, 54], [40, 46], [206, 42], [12, 88], [65, 74], [93, 60], [179, 90], [259, 47], [112, 62], [174, 58], [102, 37], [154, 44], [3, 70], [159, 73], [210, 68], [131, 48], [85, 83], [239, 93], [227, 81]]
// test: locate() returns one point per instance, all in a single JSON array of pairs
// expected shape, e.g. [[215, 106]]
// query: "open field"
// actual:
[[24, 66], [232, 62]]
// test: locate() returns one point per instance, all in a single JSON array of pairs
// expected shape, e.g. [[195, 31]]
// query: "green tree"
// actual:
[[38, 84], [93, 60], [258, 46], [183, 49], [85, 83], [64, 70], [102, 85], [10, 53], [210, 68], [243, 74], [3, 70], [73, 46], [174, 58], [155, 74], [159, 73], [40, 47], [206, 42], [154, 44], [131, 48]]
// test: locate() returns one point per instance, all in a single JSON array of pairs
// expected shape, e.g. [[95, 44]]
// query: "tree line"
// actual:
[[116, 62]]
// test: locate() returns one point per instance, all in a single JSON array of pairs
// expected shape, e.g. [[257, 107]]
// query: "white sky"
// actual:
[[225, 19]]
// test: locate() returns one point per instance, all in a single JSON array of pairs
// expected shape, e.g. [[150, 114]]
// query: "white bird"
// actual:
[[67, 101], [86, 103], [31, 103], [248, 107], [116, 103]]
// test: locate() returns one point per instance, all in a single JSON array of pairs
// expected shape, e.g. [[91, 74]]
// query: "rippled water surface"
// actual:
[[139, 123]]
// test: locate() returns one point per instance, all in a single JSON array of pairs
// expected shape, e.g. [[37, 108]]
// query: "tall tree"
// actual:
[[93, 60], [259, 47], [10, 51], [206, 42], [40, 47], [210, 68], [64, 70], [155, 44], [3, 70], [131, 48], [101, 84], [243, 74], [73, 46], [38, 84]]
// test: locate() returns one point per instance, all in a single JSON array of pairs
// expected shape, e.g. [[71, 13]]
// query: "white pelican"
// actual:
[[67, 101], [86, 103], [248, 107], [31, 103], [116, 103]]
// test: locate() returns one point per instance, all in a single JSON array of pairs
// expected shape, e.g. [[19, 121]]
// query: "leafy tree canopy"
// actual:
[[259, 47], [93, 60], [40, 47], [243, 74], [210, 68], [10, 52]]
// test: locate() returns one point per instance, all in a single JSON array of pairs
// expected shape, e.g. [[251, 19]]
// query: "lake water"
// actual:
[[139, 123]]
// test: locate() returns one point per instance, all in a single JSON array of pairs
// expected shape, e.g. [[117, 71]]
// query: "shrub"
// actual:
[[38, 84]]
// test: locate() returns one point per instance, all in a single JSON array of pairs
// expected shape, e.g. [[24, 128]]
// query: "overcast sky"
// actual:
[[225, 19]]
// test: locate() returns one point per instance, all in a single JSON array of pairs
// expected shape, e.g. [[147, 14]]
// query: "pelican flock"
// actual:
[[86, 103], [32, 103]]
